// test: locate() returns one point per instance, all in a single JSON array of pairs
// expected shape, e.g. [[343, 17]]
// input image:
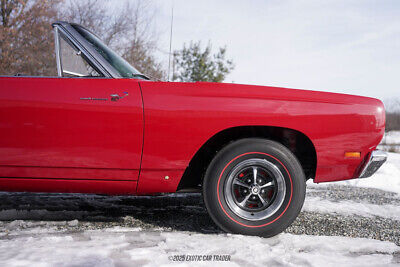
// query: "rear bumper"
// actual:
[[376, 160]]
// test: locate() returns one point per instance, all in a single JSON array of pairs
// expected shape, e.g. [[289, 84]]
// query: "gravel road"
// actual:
[[186, 212]]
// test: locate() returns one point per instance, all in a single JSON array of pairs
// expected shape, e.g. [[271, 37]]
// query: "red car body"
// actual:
[[57, 135]]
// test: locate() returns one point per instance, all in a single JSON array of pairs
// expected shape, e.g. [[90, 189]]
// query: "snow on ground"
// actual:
[[387, 178], [133, 247], [46, 229]]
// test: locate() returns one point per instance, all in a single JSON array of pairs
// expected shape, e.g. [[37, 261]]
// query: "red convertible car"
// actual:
[[103, 127]]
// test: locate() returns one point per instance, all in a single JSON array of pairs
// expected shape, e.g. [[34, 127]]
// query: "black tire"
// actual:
[[228, 179]]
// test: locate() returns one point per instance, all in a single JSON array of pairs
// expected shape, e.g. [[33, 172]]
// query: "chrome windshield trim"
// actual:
[[58, 55], [84, 46], [73, 73]]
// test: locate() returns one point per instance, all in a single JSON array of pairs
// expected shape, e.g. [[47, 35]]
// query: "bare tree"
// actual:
[[127, 28], [392, 106], [26, 41], [392, 121]]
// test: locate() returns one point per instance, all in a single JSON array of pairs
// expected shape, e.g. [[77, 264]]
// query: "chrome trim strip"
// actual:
[[58, 56], [93, 98], [73, 73]]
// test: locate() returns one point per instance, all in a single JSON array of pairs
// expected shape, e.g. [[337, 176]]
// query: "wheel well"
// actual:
[[300, 145]]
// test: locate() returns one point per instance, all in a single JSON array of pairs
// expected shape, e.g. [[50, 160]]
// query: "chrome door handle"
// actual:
[[116, 97]]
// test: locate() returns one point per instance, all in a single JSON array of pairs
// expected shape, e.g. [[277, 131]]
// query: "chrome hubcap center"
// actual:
[[255, 189]]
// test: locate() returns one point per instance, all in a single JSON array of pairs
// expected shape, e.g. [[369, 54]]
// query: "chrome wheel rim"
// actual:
[[255, 189]]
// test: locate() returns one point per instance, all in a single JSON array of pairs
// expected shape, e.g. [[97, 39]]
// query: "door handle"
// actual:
[[116, 97]]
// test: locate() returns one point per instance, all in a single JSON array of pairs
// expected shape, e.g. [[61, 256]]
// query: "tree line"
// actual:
[[27, 42], [392, 114]]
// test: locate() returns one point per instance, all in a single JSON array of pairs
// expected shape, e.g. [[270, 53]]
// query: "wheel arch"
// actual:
[[297, 142]]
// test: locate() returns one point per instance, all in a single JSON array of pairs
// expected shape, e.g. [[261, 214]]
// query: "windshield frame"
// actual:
[[125, 69], [107, 69]]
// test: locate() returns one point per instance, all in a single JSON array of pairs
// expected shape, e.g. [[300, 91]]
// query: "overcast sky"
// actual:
[[343, 46]]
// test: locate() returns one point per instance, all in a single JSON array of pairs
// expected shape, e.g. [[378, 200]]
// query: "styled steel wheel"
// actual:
[[255, 189], [254, 186]]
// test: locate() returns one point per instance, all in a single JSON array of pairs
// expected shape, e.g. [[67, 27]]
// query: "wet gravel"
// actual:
[[358, 194], [185, 212], [311, 223]]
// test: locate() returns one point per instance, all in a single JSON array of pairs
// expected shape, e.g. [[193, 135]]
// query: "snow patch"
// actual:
[[115, 248], [73, 223]]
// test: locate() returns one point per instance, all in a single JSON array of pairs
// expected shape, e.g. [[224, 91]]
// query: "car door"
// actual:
[[82, 125], [70, 128]]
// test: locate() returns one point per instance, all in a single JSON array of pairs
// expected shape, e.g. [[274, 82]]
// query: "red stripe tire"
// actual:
[[254, 187]]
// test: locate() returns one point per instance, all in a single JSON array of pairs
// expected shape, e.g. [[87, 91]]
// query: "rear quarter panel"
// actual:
[[181, 117]]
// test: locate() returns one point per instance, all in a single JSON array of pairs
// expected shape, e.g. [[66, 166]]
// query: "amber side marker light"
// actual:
[[352, 154]]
